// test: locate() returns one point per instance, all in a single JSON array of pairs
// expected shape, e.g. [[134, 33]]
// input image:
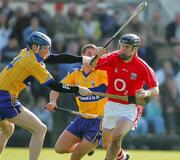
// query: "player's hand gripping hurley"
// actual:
[[132, 99]]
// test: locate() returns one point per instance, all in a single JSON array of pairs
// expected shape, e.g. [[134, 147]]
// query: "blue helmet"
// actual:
[[130, 39], [39, 38]]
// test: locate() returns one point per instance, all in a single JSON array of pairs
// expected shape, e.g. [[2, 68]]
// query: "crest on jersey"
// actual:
[[133, 76]]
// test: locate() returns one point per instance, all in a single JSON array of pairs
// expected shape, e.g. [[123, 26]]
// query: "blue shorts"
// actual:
[[9, 107], [86, 128]]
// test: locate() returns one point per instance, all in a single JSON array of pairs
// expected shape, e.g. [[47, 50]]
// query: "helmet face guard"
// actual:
[[131, 40]]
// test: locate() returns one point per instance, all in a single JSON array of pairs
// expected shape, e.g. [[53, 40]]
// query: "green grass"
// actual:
[[49, 154]]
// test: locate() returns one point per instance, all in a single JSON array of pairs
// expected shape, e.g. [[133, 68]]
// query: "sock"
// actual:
[[121, 155]]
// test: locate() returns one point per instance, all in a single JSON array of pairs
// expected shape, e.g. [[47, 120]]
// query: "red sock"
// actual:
[[121, 155]]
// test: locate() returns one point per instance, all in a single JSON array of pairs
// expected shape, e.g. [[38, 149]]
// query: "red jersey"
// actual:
[[125, 78]]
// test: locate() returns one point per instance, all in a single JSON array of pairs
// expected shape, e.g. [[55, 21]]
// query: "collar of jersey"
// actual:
[[81, 69], [38, 57]]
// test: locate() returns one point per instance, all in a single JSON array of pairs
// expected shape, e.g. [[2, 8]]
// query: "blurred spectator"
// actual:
[[178, 81], [170, 102], [24, 21], [46, 117], [11, 50], [156, 30], [59, 20], [108, 23], [154, 116], [166, 69], [18, 13], [148, 52], [173, 30], [58, 43], [92, 6], [5, 31], [176, 59], [137, 25], [88, 27], [72, 48], [5, 9], [57, 48], [44, 16], [34, 26], [71, 31]]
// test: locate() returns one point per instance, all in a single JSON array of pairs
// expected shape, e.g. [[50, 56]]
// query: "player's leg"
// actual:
[[26, 119], [6, 130], [92, 136], [106, 137], [66, 142], [120, 118], [123, 126], [82, 149], [69, 139]]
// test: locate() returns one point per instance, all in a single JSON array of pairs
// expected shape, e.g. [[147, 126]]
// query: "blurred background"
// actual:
[[71, 25]]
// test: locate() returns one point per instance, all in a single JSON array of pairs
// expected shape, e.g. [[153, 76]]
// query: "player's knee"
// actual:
[[59, 150], [8, 131], [40, 130], [43, 129], [117, 136]]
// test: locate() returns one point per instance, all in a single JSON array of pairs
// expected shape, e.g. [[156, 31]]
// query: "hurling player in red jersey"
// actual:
[[127, 75]]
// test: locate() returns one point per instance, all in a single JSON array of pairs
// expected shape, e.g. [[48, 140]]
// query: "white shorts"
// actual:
[[113, 111]]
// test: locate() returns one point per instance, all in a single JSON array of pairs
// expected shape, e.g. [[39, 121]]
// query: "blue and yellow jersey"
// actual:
[[19, 72], [96, 80]]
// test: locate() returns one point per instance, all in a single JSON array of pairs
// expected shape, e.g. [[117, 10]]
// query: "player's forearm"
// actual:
[[63, 58], [153, 92], [64, 88], [54, 96]]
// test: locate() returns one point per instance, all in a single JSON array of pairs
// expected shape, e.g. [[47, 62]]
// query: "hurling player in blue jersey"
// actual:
[[83, 134], [15, 77]]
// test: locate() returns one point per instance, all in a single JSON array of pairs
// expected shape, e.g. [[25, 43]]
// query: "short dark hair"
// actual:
[[83, 50]]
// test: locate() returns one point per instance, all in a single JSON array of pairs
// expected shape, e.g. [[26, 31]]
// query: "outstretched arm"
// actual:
[[61, 87], [66, 58], [63, 58]]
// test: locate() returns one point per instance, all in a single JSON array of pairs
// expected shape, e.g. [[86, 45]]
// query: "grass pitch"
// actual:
[[49, 154]]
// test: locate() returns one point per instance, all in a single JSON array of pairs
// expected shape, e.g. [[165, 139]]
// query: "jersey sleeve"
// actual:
[[150, 77], [63, 58], [69, 78], [40, 73], [105, 61]]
